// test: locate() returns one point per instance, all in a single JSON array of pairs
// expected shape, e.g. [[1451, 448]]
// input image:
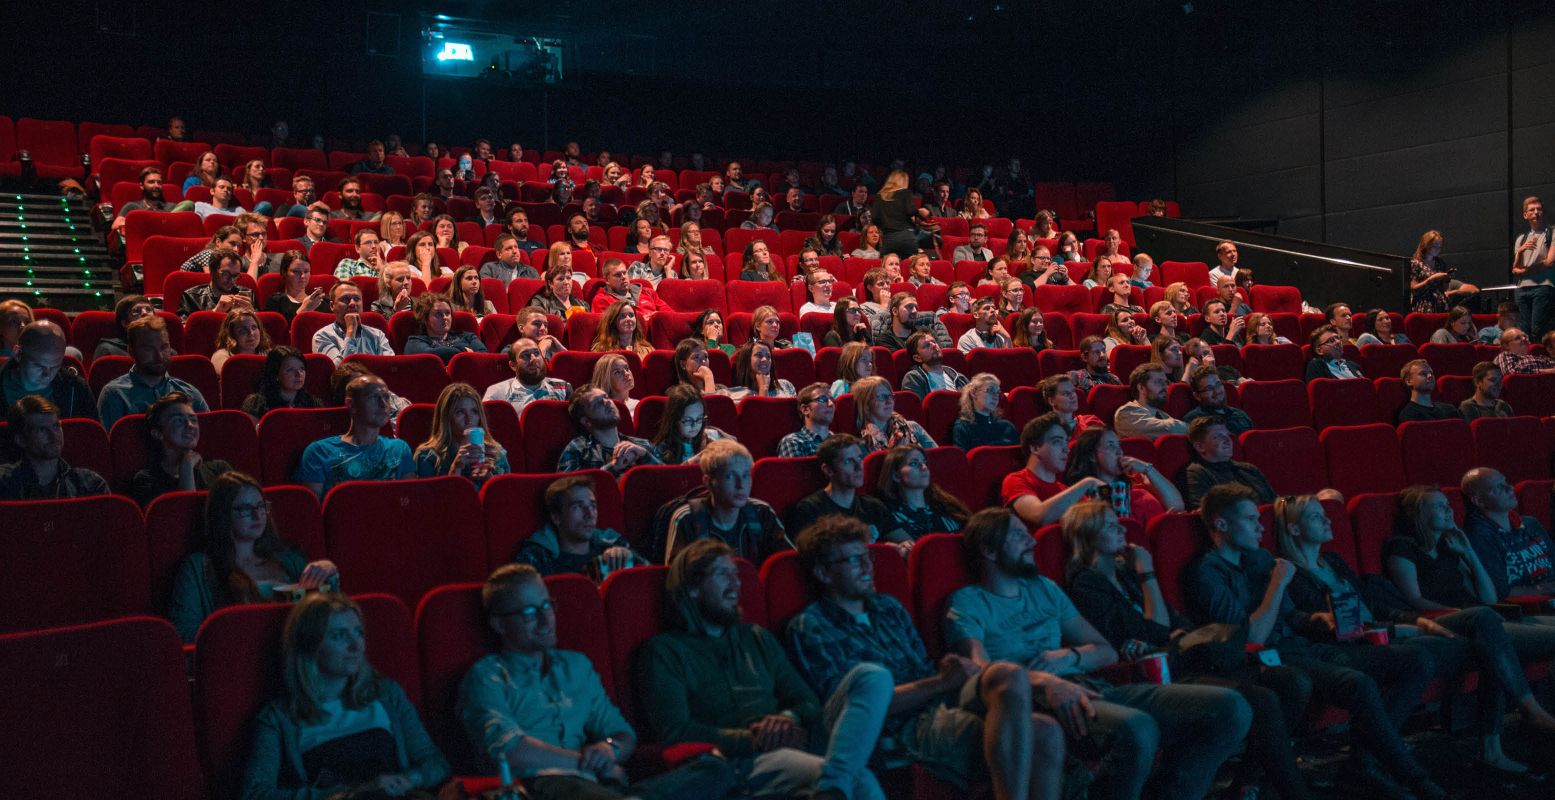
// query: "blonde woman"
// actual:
[[980, 422], [879, 425], [856, 362], [614, 375], [892, 210], [391, 232], [451, 449]]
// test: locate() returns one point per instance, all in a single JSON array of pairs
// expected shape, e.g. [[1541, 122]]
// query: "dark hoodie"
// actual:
[[701, 688], [68, 391]]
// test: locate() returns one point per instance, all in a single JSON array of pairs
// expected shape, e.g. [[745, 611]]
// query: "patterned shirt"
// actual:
[[349, 268], [1083, 380], [824, 642], [586, 452], [643, 271], [513, 392], [1512, 364], [756, 534], [18, 481], [801, 443], [507, 696]]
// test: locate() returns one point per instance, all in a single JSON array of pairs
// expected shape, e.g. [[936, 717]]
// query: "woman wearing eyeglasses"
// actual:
[[243, 561]]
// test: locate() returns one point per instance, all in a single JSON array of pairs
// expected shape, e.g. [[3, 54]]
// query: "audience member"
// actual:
[[1260, 330], [1507, 316], [841, 459], [530, 381], [241, 333], [570, 540], [1219, 326], [1226, 256], [986, 330], [767, 327], [1166, 352], [1514, 358], [147, 380], [229, 237], [879, 425], [1211, 465], [601, 445], [281, 384], [1121, 329], [369, 259], [129, 308], [348, 335], [1328, 359], [617, 289], [171, 434], [40, 473], [1133, 487], [150, 198], [460, 442], [1514, 548], [979, 421], [1093, 355], [816, 410], [929, 372], [37, 367], [1486, 401], [755, 374], [295, 296], [243, 559], [1119, 296], [1420, 380], [510, 263], [1030, 331], [223, 293], [1145, 416], [435, 318], [534, 324], [1210, 393], [1380, 325], [976, 248], [724, 508], [351, 202], [465, 294], [361, 453], [683, 430], [820, 284], [850, 324], [917, 504], [1036, 492]]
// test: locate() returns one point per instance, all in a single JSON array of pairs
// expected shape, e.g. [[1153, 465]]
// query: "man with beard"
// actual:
[[930, 373], [361, 453], [715, 678], [351, 202], [817, 408], [530, 381], [602, 445], [726, 513], [223, 293], [135, 391], [1145, 416], [150, 197], [1093, 355], [518, 225], [571, 540], [577, 232]]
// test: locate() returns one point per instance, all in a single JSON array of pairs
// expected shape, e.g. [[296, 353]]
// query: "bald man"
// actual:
[[38, 367], [1515, 548]]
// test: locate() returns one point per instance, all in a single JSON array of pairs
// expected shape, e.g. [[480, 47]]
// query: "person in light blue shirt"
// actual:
[[361, 453], [348, 336], [135, 391]]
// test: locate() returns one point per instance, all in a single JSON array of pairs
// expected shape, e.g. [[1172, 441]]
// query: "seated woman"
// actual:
[[918, 506], [243, 559], [766, 325], [849, 324], [1122, 330], [619, 330], [1180, 298], [1069, 250], [1457, 329], [1198, 353], [691, 241], [207, 168], [691, 369], [692, 267], [1380, 330], [421, 255], [756, 263], [980, 422], [461, 442], [972, 206], [1466, 639], [240, 333], [760, 218], [556, 297], [339, 729], [995, 273], [1135, 488], [1012, 296], [879, 425], [1165, 350], [172, 464], [755, 374], [294, 296], [228, 236], [638, 237], [280, 384], [445, 232], [129, 308], [825, 239], [1260, 330], [435, 316], [394, 290], [1101, 272], [614, 375], [1030, 331], [868, 243], [710, 326], [856, 362], [464, 292], [391, 232], [920, 270], [683, 430]]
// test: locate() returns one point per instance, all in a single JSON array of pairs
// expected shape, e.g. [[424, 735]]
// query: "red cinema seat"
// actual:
[[1437, 452], [1057, 362], [781, 482], [647, 487], [1533, 500], [1276, 299], [1512, 445], [748, 296], [238, 668], [1363, 458], [797, 366], [1276, 403], [1175, 538], [764, 421], [986, 468], [1193, 273], [285, 432], [1015, 367], [1105, 399], [788, 590], [1372, 518], [1125, 357], [480, 370], [1451, 359], [1086, 324], [1070, 299], [86, 445], [1291, 458], [579, 330], [65, 562], [1419, 326], [379, 528], [521, 290], [547, 429], [514, 508], [694, 296], [940, 411], [1273, 362], [419, 378], [451, 635], [224, 434], [1342, 402], [1386, 360], [52, 144], [98, 710], [142, 225], [1530, 395], [936, 568], [1172, 454]]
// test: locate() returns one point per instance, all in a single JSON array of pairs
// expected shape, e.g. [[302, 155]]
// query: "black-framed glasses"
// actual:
[[529, 613]]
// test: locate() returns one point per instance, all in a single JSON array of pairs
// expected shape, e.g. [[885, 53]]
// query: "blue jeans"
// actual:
[[852, 718], [1536, 309]]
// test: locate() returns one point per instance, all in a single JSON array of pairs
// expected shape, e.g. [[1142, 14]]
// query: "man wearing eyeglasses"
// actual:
[[1514, 358], [817, 409], [1328, 359], [304, 196], [657, 267], [543, 712]]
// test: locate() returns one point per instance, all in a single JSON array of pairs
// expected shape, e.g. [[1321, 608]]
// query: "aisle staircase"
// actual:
[[50, 256]]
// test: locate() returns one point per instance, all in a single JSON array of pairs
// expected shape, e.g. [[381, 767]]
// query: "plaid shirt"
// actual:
[[1083, 380], [800, 443], [1511, 364], [586, 452], [349, 268], [825, 642]]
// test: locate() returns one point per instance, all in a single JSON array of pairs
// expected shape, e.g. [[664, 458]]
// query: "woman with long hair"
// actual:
[[879, 425], [240, 332], [207, 168], [421, 255], [918, 506], [972, 205], [1181, 299], [446, 233], [691, 369], [639, 235], [613, 374], [683, 430], [1121, 329], [435, 317], [757, 264], [242, 559], [849, 324], [1044, 226], [766, 327], [1260, 329], [1069, 250], [310, 741], [619, 329], [451, 449], [1012, 296], [1030, 331], [294, 296], [465, 294], [1134, 487], [868, 243], [173, 464], [856, 362], [1428, 278], [755, 373], [556, 297], [1167, 352], [253, 177], [1458, 328], [979, 422], [892, 209], [1379, 324], [691, 240], [709, 325], [281, 383]]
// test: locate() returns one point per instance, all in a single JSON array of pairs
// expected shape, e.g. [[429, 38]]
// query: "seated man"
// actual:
[[1420, 379], [40, 474], [543, 713], [939, 715], [1225, 291], [841, 459], [1506, 319], [727, 512], [986, 330], [1059, 393], [373, 163], [361, 453], [535, 324], [1516, 550], [571, 540], [715, 678], [817, 409], [135, 391], [658, 265], [1514, 358], [1328, 359], [1226, 258], [304, 196], [222, 202], [1036, 492], [369, 258], [1210, 392], [529, 381], [929, 373], [150, 198], [1093, 354], [315, 228], [37, 367], [619, 287], [1486, 401], [1236, 582], [1015, 615], [223, 293], [602, 445], [351, 202], [518, 226], [894, 328], [976, 248], [1212, 466], [347, 335], [1144, 416], [509, 263]]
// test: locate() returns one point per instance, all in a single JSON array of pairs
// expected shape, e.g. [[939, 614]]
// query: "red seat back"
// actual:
[[788, 591], [1513, 445], [936, 568], [224, 434], [285, 432], [380, 527], [1276, 403], [1437, 452], [1363, 458], [1291, 458], [514, 508], [65, 562], [1272, 362], [1342, 402]]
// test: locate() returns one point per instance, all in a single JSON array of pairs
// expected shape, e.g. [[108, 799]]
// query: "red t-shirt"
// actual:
[[1023, 482]]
